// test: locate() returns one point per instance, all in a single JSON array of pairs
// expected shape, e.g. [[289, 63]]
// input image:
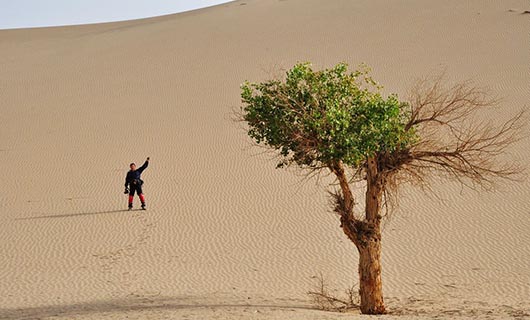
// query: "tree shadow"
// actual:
[[133, 305], [71, 215]]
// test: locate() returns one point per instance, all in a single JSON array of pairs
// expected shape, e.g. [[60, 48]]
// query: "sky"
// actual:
[[43, 13]]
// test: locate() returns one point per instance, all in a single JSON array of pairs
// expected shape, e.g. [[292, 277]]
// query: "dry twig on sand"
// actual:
[[323, 299]]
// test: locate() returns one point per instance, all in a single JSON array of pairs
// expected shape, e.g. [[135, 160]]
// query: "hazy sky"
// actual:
[[39, 13]]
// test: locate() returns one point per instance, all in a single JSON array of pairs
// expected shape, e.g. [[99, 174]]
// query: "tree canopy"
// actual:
[[315, 118]]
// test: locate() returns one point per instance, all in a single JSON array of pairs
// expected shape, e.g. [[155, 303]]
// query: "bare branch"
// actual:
[[453, 141], [325, 300]]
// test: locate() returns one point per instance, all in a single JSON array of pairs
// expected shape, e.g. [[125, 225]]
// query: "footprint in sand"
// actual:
[[110, 261]]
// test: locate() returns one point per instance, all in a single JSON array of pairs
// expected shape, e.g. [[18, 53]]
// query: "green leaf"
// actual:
[[316, 117]]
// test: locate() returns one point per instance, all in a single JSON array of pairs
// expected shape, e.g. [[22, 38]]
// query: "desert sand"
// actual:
[[228, 236]]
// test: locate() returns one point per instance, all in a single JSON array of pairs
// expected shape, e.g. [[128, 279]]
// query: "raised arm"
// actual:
[[144, 166]]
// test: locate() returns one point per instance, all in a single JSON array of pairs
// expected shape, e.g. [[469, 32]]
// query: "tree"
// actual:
[[339, 121]]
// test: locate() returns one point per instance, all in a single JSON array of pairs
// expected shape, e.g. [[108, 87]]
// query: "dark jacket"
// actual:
[[134, 176]]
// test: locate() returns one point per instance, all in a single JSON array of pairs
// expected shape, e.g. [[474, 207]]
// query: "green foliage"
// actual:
[[317, 117]]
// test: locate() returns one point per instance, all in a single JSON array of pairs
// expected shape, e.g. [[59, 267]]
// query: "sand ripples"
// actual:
[[79, 104]]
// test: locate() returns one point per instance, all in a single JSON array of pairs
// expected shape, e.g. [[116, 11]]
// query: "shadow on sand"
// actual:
[[123, 306], [71, 215]]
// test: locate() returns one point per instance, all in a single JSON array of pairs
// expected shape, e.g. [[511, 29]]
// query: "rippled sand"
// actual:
[[226, 235]]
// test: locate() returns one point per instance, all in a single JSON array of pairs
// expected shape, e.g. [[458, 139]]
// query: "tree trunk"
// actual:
[[365, 234], [369, 244], [338, 169], [370, 284]]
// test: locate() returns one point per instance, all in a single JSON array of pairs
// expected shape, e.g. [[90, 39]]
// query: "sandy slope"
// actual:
[[226, 235]]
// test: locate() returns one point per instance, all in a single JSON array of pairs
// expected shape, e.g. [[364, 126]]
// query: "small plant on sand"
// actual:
[[326, 300], [339, 122]]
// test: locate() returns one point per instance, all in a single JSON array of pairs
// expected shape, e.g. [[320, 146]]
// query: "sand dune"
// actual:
[[227, 236]]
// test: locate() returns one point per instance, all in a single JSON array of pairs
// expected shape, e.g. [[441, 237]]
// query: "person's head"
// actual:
[[132, 166]]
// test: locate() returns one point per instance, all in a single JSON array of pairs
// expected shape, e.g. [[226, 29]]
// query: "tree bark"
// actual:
[[374, 191], [366, 235], [370, 284], [369, 245], [338, 169]]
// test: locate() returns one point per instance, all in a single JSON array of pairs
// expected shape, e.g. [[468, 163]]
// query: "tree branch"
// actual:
[[452, 140]]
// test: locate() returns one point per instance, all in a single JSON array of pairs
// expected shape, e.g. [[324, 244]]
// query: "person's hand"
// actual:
[[126, 191]]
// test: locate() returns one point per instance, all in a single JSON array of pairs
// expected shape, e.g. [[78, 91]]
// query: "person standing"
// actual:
[[133, 183]]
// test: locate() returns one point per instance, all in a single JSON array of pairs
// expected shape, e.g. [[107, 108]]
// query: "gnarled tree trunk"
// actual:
[[366, 235], [371, 286]]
